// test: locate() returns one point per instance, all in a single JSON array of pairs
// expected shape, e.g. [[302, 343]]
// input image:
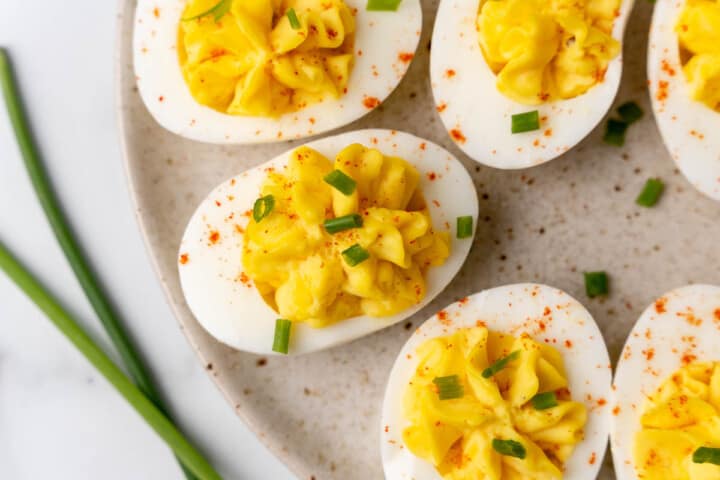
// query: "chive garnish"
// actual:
[[543, 401], [630, 112], [525, 122], [596, 283], [281, 342], [500, 364], [449, 387], [650, 193], [383, 5], [340, 182], [292, 16], [509, 448], [263, 206], [615, 132], [217, 11], [464, 226], [706, 455], [355, 255], [346, 222]]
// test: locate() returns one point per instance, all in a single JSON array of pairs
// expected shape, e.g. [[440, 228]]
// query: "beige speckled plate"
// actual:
[[320, 413]]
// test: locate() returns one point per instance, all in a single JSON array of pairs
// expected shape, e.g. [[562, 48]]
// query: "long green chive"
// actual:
[[263, 206], [543, 401], [346, 222], [615, 132], [281, 342], [706, 455], [217, 11], [383, 5], [152, 414], [340, 182], [292, 17], [630, 112], [76, 258], [449, 387], [525, 122], [596, 284], [355, 255], [500, 364], [464, 226], [509, 448], [650, 193]]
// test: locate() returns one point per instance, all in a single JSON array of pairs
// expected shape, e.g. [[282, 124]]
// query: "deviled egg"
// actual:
[[519, 82], [666, 391], [252, 71], [509, 383], [327, 242], [684, 79]]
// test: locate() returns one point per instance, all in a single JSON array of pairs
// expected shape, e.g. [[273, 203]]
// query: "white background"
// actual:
[[59, 419]]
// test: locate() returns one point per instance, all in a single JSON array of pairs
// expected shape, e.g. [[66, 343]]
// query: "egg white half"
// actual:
[[478, 116], [233, 311], [547, 315], [679, 325], [384, 45], [688, 127]]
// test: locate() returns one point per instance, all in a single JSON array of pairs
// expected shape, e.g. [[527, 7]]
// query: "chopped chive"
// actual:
[[543, 401], [706, 455], [630, 112], [509, 448], [281, 341], [500, 364], [525, 122], [596, 283], [615, 132], [355, 255], [292, 16], [263, 206], [383, 5], [346, 222], [650, 193], [340, 182], [218, 11], [449, 387], [464, 226]]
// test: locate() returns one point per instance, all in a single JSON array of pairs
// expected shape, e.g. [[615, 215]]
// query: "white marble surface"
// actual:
[[59, 419]]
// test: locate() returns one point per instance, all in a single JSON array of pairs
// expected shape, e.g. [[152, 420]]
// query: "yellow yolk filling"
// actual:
[[682, 415], [547, 50], [456, 435], [698, 30], [298, 267], [253, 62]]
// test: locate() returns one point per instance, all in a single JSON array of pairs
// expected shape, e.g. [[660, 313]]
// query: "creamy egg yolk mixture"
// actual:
[[547, 50], [682, 415], [456, 435], [298, 266], [253, 61], [698, 30]]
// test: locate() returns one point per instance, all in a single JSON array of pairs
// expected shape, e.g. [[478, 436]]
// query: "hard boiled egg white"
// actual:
[[680, 327], [227, 304], [688, 127], [385, 42], [547, 315], [478, 116]]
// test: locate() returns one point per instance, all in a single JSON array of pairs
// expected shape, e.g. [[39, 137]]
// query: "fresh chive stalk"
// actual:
[[449, 387], [615, 132], [464, 227], [596, 284], [355, 255], [281, 342], [262, 207], [706, 455], [500, 364], [217, 11], [525, 122], [543, 401], [383, 5], [340, 182], [509, 448], [292, 17], [346, 222], [650, 193], [630, 112]]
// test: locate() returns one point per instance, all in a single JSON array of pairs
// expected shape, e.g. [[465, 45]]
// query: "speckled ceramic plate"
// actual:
[[320, 413]]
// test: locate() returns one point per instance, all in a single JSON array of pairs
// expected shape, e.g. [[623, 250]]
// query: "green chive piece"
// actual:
[[596, 284], [630, 112], [355, 255], [263, 206], [464, 226], [651, 192], [383, 5], [707, 455], [509, 448], [525, 122], [615, 132], [543, 401], [340, 182], [500, 364], [346, 222], [217, 11], [292, 16], [281, 342], [449, 387]]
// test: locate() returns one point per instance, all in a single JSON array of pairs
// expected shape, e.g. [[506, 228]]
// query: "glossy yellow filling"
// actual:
[[698, 30]]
